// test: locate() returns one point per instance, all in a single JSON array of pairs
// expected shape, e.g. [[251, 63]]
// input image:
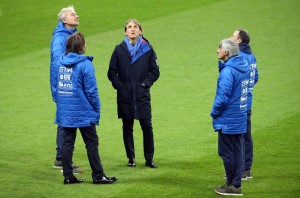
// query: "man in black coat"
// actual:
[[132, 71]]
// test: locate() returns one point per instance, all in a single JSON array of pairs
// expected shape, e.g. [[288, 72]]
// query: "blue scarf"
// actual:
[[139, 48]]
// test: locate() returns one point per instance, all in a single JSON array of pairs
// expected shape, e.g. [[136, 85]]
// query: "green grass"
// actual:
[[185, 35]]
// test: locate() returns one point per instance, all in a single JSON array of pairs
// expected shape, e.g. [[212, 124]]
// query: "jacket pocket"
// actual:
[[124, 92], [143, 93]]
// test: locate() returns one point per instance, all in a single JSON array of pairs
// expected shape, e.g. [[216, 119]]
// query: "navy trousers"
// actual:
[[148, 140], [59, 142], [91, 141], [248, 144], [230, 148]]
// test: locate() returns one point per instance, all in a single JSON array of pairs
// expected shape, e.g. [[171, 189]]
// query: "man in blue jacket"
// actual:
[[229, 113], [68, 20], [132, 71], [78, 106], [242, 38]]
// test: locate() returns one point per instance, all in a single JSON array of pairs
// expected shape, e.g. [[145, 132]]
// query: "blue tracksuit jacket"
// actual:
[[58, 48], [229, 111], [77, 98], [246, 52]]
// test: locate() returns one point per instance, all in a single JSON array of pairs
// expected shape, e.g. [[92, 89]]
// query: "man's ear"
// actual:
[[239, 40], [64, 21]]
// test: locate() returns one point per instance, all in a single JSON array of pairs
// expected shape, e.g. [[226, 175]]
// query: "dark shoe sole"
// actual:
[[108, 180], [131, 165], [73, 181], [152, 165]]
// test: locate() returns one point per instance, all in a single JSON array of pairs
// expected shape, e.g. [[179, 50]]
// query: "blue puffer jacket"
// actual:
[[229, 110], [77, 98], [246, 52], [58, 48]]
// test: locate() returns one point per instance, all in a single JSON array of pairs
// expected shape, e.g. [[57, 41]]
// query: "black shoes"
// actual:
[[74, 180], [131, 162], [151, 164], [105, 180]]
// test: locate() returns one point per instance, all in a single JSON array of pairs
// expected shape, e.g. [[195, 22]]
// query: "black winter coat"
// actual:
[[133, 99]]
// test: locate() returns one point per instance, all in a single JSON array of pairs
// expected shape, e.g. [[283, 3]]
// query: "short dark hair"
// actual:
[[75, 43], [244, 35], [135, 22]]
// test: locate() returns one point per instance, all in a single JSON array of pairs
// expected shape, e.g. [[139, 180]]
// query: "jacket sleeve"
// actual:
[[153, 70], [224, 89], [57, 49], [256, 75], [90, 87], [112, 73]]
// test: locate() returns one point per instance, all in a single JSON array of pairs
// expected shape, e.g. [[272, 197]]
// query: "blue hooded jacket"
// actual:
[[229, 111], [246, 52], [77, 98], [58, 48]]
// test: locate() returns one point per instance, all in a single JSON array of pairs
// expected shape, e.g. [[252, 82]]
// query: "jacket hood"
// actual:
[[72, 59], [238, 63], [61, 28], [245, 47]]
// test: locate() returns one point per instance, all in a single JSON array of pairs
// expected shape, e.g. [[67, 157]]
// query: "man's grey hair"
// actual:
[[63, 13], [230, 46]]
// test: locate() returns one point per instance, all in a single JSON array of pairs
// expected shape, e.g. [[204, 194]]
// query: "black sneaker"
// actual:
[[76, 169], [244, 176], [151, 164], [74, 180], [229, 190], [131, 162], [105, 180], [248, 174], [57, 164]]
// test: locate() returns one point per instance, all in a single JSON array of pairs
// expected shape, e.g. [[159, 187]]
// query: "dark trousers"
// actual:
[[91, 140], [248, 144], [230, 149], [148, 140], [59, 142]]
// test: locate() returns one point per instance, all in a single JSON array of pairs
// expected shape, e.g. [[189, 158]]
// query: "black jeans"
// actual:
[[148, 139], [91, 140]]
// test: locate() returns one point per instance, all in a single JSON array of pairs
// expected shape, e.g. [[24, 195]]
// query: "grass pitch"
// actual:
[[185, 35]]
